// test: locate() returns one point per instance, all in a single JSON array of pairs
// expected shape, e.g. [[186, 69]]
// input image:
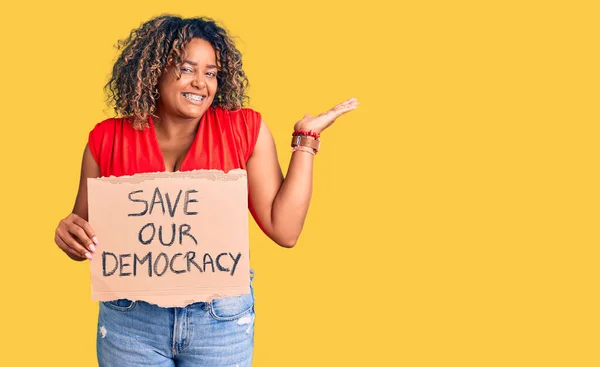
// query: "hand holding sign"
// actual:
[[75, 236]]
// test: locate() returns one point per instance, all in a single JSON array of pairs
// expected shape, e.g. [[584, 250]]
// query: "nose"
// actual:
[[199, 82]]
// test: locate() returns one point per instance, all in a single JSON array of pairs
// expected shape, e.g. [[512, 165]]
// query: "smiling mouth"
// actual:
[[194, 97]]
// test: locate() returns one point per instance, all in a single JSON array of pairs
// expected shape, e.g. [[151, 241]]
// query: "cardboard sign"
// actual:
[[170, 239]]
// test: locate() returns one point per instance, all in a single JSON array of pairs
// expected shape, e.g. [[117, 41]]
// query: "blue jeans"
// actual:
[[218, 333]]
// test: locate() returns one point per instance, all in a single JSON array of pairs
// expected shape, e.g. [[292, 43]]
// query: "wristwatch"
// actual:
[[306, 141]]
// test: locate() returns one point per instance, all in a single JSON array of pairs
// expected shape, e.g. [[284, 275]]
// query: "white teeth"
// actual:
[[193, 97]]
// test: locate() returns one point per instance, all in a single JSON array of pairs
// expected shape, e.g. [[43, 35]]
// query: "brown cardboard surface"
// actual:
[[206, 257]]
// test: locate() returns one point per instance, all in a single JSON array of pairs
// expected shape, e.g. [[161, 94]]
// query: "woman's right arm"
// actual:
[[74, 235]]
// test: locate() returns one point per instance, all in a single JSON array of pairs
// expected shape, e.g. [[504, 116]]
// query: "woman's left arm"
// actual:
[[280, 205]]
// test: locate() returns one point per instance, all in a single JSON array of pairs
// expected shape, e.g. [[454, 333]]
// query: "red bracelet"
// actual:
[[306, 133]]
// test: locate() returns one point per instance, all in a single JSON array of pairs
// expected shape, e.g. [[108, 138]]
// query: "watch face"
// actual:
[[306, 141]]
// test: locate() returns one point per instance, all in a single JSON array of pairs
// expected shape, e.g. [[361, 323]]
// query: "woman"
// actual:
[[180, 86]]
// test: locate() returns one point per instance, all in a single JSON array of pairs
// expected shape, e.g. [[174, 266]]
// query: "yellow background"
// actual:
[[455, 215]]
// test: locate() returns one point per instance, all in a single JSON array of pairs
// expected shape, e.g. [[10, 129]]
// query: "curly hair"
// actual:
[[160, 43]]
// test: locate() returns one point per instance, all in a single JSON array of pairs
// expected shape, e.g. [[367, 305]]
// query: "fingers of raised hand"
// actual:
[[345, 106], [341, 109]]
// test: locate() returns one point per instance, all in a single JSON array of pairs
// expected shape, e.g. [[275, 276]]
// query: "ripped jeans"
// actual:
[[219, 333]]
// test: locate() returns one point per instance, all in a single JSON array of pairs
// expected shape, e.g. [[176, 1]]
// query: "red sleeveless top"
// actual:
[[224, 140]]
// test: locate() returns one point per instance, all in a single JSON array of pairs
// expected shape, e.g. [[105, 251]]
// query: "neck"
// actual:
[[172, 127]]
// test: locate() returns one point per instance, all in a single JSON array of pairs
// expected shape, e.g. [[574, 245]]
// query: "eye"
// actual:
[[186, 69], [211, 74]]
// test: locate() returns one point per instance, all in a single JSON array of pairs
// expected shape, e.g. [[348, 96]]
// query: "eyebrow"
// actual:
[[196, 64]]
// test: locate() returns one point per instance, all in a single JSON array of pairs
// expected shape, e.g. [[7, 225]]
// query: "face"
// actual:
[[192, 94]]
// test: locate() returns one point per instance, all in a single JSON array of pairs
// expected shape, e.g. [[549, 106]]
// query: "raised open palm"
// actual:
[[324, 120]]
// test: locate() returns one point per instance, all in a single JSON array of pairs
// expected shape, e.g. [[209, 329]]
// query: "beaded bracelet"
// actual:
[[306, 133]]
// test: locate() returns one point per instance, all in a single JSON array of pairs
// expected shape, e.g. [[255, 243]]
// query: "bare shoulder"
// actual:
[[265, 143]]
